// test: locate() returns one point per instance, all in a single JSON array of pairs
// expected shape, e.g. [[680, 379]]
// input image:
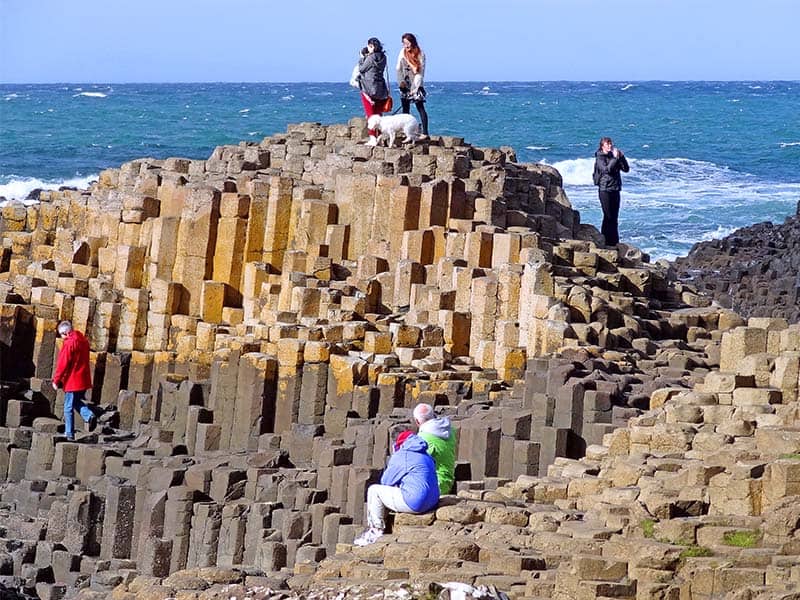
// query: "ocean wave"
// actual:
[[288, 97], [661, 247], [537, 147], [19, 188], [626, 87], [788, 144], [577, 171], [712, 234], [91, 94], [245, 110], [677, 182]]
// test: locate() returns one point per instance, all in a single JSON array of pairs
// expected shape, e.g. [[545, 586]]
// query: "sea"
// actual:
[[706, 157]]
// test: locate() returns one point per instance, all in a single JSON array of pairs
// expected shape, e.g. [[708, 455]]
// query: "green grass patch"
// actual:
[[694, 551], [648, 528], [741, 539], [792, 455]]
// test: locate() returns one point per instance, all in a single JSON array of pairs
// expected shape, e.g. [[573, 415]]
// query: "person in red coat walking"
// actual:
[[73, 374]]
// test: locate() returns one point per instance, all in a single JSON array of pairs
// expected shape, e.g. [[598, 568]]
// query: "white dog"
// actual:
[[389, 125]]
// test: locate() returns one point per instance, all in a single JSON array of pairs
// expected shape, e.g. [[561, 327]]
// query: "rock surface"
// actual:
[[755, 270], [262, 321]]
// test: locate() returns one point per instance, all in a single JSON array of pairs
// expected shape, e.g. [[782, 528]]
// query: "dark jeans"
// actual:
[[610, 203], [423, 115]]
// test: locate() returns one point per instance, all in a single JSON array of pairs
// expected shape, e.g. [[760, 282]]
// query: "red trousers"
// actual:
[[370, 108]]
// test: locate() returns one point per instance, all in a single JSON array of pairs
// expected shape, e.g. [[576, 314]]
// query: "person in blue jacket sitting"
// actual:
[[408, 485]]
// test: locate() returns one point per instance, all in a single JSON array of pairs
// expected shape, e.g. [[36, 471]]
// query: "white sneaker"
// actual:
[[373, 141], [370, 536]]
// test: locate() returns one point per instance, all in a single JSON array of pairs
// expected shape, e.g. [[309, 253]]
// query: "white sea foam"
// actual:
[[19, 188], [627, 87], [577, 171], [788, 144], [91, 94], [245, 110], [538, 147], [288, 97], [716, 234], [677, 182]]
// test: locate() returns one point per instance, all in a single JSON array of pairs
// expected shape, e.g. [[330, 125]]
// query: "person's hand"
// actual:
[[402, 85], [55, 387], [616, 152]]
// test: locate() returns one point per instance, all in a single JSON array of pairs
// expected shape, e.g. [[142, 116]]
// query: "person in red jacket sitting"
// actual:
[[73, 373]]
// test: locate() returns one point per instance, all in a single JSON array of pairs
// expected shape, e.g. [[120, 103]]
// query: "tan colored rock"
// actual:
[[659, 397], [739, 343], [756, 396]]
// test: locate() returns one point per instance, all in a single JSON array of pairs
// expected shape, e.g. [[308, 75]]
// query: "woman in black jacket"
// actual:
[[608, 162], [374, 89]]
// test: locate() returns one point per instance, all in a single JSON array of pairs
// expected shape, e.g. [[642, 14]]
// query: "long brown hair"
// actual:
[[412, 54]]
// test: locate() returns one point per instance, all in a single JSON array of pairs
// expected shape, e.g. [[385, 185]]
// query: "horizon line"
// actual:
[[430, 81]]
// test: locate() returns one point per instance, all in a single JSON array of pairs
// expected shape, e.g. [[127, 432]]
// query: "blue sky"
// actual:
[[468, 40]]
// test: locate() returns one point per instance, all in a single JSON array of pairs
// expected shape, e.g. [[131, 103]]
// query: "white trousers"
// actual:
[[381, 497]]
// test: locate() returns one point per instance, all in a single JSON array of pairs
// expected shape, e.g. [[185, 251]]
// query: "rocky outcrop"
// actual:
[[696, 498], [755, 270], [261, 322]]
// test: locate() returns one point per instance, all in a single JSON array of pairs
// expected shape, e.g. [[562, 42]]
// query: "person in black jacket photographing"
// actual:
[[374, 88], [608, 163]]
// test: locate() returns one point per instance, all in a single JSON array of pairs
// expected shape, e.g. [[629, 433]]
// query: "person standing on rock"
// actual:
[[374, 89], [73, 374], [408, 485], [441, 438], [410, 75], [609, 161]]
